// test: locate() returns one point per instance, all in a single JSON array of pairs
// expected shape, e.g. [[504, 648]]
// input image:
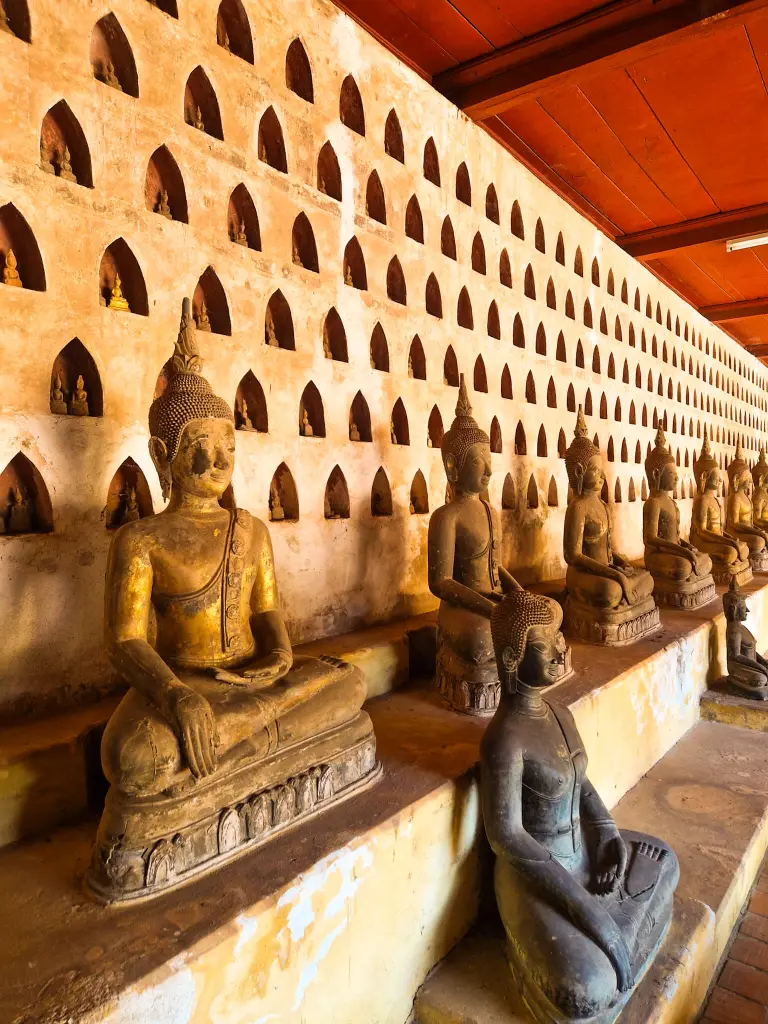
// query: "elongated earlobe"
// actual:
[[159, 455]]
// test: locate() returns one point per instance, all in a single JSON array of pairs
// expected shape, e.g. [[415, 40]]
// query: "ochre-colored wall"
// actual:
[[333, 574]]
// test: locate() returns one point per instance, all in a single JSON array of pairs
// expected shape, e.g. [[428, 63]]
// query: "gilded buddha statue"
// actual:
[[464, 572], [681, 574], [584, 905], [729, 554], [609, 600], [760, 492], [747, 668], [739, 515], [223, 738]]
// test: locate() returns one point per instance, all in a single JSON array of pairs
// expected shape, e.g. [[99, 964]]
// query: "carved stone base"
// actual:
[[723, 574], [758, 561], [692, 593], [612, 627], [148, 845]]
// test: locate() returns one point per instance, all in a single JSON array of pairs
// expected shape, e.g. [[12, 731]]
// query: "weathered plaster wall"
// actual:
[[334, 574]]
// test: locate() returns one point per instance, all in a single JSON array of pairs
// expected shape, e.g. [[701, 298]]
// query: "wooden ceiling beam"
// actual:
[[611, 36], [735, 310], [760, 351], [718, 227]]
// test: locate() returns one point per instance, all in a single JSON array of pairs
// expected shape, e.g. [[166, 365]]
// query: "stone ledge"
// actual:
[[718, 704]]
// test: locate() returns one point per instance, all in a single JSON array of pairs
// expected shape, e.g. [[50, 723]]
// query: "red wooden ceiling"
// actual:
[[667, 128]]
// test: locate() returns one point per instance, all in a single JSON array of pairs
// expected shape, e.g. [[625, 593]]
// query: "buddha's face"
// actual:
[[741, 483], [205, 458], [543, 655], [762, 480], [713, 479], [738, 610], [475, 473], [593, 475], [668, 477]]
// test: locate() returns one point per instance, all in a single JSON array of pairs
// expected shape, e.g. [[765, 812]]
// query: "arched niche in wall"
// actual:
[[278, 323], [480, 378], [431, 163], [432, 298], [298, 72], [463, 185], [530, 389], [419, 498], [496, 439], [209, 304], [434, 428], [336, 504], [111, 56], [396, 289], [518, 333], [478, 254], [450, 368], [303, 246], [271, 144], [552, 493], [164, 191], [66, 397], [562, 444], [529, 283], [375, 204], [521, 445], [129, 293], [201, 107], [379, 349], [541, 443], [128, 496], [393, 138], [492, 204], [517, 226], [505, 269], [354, 266], [414, 222], [570, 309], [464, 316], [351, 111], [251, 405], [506, 383], [539, 240], [311, 413], [334, 337], [551, 394], [532, 493], [17, 19], [560, 354], [168, 7], [560, 250], [242, 219], [578, 262], [63, 147], [417, 363], [283, 496], [21, 265], [493, 322], [508, 494], [25, 505], [329, 172], [398, 424], [381, 494], [541, 340], [551, 295], [359, 419], [447, 239], [233, 32]]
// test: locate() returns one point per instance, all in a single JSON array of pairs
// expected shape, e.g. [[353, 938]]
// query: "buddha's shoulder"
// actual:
[[444, 514]]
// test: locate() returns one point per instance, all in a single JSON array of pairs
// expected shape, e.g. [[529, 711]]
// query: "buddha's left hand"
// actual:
[[611, 860], [260, 674]]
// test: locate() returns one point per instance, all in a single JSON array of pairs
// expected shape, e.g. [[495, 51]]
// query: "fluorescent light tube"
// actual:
[[746, 242]]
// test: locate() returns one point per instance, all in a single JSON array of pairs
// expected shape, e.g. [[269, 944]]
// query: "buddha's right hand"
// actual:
[[616, 951], [196, 729]]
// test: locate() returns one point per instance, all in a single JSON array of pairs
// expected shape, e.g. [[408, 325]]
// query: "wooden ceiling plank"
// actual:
[[735, 310], [718, 227], [490, 20], [447, 26], [698, 286], [531, 18], [398, 34]]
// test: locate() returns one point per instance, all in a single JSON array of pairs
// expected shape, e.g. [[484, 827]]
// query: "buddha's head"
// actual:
[[739, 475], [705, 468], [735, 603], [660, 465], [466, 449], [192, 441], [527, 641], [760, 470], [583, 462]]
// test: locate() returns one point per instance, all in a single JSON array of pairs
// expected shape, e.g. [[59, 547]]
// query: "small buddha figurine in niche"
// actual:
[[747, 669], [240, 236], [276, 510], [20, 515], [116, 299], [410, 365], [242, 419], [162, 206], [269, 330], [348, 275], [729, 555], [464, 542], [10, 270], [354, 433], [297, 255], [198, 120], [585, 906], [224, 737], [681, 574], [65, 167], [58, 405], [760, 492], [306, 426], [131, 512], [739, 513], [46, 163], [109, 77], [78, 403], [203, 323], [609, 600]]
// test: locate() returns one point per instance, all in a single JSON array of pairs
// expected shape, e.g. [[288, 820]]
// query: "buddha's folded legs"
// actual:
[[755, 543], [672, 567], [590, 589], [749, 678], [724, 552]]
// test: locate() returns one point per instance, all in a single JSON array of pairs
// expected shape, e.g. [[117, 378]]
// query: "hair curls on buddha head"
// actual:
[[579, 452], [512, 620], [464, 432]]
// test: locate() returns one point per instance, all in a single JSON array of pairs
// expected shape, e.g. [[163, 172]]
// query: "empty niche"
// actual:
[[63, 148], [329, 172], [541, 443], [551, 296], [617, 492], [496, 441], [492, 204], [233, 32], [610, 453], [283, 496], [417, 363], [624, 292], [579, 354], [351, 106], [336, 503], [271, 145], [112, 58], [603, 407], [431, 164], [478, 254], [539, 240], [21, 264], [588, 403], [164, 191], [434, 428], [121, 282], [617, 411], [393, 138], [493, 327], [518, 334], [379, 349], [354, 266], [396, 290], [464, 316], [505, 270], [278, 323], [375, 206], [250, 405], [596, 360], [201, 108], [570, 311], [128, 497], [242, 219], [570, 399], [529, 286], [25, 505], [562, 444], [334, 337], [521, 445], [632, 495], [508, 494], [448, 239], [506, 383], [551, 394], [298, 73], [398, 424], [603, 322], [419, 503], [560, 355], [75, 382], [648, 307], [587, 313], [480, 377], [578, 262], [532, 494], [414, 223], [463, 186], [541, 340], [16, 20], [617, 329], [516, 221], [381, 494], [311, 413], [595, 273], [450, 368], [304, 249], [560, 250], [432, 300], [624, 451], [359, 419], [552, 493], [209, 304], [530, 389]]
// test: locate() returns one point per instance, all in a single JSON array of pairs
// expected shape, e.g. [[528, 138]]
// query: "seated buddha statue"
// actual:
[[760, 492], [223, 738], [584, 905], [681, 574], [729, 555], [747, 669], [463, 563], [739, 515], [609, 600]]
